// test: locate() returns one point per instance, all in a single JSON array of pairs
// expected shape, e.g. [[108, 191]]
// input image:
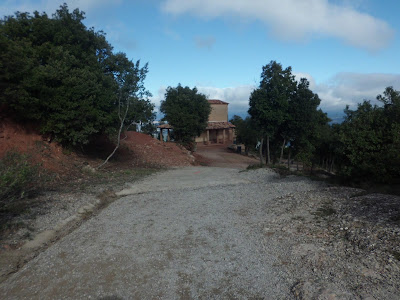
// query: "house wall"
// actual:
[[219, 112], [202, 138], [216, 136]]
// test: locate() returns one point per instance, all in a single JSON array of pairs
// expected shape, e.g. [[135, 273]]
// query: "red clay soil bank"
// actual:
[[25, 139], [147, 150], [137, 150]]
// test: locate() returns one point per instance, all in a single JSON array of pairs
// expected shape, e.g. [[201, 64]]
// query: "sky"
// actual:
[[347, 49]]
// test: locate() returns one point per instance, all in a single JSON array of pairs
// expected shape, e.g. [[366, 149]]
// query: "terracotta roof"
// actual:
[[220, 125], [215, 101], [165, 126]]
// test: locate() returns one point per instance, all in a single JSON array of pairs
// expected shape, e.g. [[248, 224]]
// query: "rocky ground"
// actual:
[[294, 238], [342, 243], [56, 212], [221, 233]]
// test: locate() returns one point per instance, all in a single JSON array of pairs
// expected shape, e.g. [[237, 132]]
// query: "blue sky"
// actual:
[[347, 49]]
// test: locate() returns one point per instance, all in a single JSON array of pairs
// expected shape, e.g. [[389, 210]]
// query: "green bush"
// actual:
[[19, 178], [255, 166]]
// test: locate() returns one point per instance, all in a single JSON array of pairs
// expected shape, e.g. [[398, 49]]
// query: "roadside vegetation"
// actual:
[[66, 78], [19, 179], [67, 81], [285, 123]]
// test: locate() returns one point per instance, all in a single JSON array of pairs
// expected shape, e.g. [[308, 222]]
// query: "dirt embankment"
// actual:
[[146, 150], [73, 185], [137, 150]]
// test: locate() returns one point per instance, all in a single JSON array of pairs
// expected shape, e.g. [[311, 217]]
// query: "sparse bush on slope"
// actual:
[[19, 178]]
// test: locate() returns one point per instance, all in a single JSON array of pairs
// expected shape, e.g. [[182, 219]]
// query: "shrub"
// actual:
[[19, 178], [255, 166]]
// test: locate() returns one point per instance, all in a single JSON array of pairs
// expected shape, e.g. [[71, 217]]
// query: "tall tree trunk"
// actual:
[[268, 154], [261, 152], [331, 166], [283, 145], [288, 160]]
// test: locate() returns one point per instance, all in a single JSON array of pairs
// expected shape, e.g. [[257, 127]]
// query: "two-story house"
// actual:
[[218, 130]]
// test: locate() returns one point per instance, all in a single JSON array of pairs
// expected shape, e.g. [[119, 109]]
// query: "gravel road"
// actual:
[[196, 232]]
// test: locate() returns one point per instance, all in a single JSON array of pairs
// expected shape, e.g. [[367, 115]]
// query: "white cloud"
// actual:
[[307, 76], [157, 98], [341, 90], [294, 19], [237, 97], [350, 88]]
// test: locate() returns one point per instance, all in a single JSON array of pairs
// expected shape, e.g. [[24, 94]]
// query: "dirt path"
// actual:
[[220, 233], [221, 156], [188, 233]]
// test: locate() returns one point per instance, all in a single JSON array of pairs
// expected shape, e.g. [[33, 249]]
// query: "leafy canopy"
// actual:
[[187, 111], [65, 77], [286, 112], [245, 131], [370, 140], [269, 103]]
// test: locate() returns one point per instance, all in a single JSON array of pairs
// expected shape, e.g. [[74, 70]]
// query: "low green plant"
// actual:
[[19, 178], [255, 166]]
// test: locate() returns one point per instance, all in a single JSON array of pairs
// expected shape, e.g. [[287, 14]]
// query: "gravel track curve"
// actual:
[[189, 233]]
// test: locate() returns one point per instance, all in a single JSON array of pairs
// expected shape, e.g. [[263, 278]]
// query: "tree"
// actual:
[[269, 103], [329, 149], [66, 78], [131, 91], [245, 132], [370, 140], [187, 111], [303, 126], [52, 75]]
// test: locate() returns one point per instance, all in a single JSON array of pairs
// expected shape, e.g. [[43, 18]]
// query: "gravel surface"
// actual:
[[218, 155], [218, 233]]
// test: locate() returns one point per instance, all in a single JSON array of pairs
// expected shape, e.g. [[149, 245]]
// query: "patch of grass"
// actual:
[[396, 255], [98, 174], [279, 167], [255, 167], [41, 145], [282, 170], [107, 179], [128, 172], [67, 151], [325, 211], [19, 179], [11, 226]]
